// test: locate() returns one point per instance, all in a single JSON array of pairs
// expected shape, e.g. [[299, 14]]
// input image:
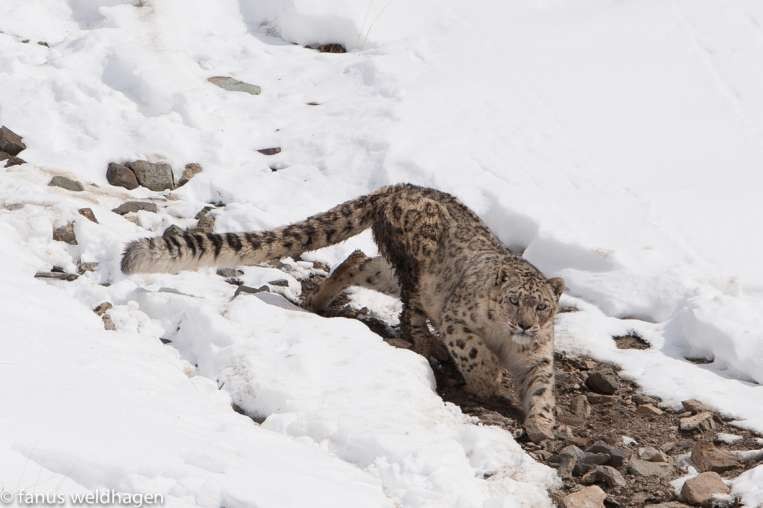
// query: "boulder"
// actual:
[[642, 467], [121, 176], [156, 176], [135, 206], [10, 142], [603, 381], [88, 214], [65, 234], [707, 457], [588, 497], [701, 489]]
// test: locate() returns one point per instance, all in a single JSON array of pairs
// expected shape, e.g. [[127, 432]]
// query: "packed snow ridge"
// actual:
[[617, 146]]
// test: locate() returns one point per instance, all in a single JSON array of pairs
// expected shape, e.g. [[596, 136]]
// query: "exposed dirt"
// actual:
[[611, 419]]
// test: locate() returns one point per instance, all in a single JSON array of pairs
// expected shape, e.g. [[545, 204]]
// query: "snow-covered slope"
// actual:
[[616, 143]]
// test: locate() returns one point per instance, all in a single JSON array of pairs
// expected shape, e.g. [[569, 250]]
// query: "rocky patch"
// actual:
[[69, 184], [11, 144]]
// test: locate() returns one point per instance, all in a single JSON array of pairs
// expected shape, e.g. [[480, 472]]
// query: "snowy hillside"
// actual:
[[616, 144]]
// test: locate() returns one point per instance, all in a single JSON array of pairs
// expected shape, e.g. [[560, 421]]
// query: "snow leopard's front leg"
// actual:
[[533, 365]]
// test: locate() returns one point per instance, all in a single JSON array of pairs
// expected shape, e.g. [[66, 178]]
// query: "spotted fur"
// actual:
[[489, 307]]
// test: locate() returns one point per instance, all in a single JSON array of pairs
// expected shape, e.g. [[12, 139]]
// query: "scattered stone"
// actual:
[[206, 221], [616, 456], [108, 324], [694, 406], [173, 230], [332, 47], [607, 475], [88, 214], [707, 457], [56, 276], [10, 142], [191, 169], [101, 308], [156, 176], [121, 176], [645, 468], [135, 206], [270, 151], [280, 282], [235, 85], [603, 381], [65, 234], [702, 488], [630, 342], [588, 497], [66, 183], [11, 160], [581, 407], [652, 454], [701, 421], [650, 410], [250, 290], [86, 266], [597, 398], [229, 272]]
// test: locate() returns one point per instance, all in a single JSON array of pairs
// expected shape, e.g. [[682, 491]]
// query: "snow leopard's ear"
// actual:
[[557, 286]]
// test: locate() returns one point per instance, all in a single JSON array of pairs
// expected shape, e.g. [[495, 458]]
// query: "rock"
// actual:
[[11, 160], [649, 410], [581, 407], [566, 466], [65, 234], [102, 308], [630, 342], [700, 421], [702, 488], [642, 467], [603, 381], [651, 454], [86, 266], [108, 324], [616, 455], [229, 272], [10, 142], [121, 176], [320, 265], [280, 283], [56, 275], [135, 206], [707, 457], [607, 475], [694, 406], [666, 447], [156, 176], [191, 169], [588, 497], [331, 47], [88, 214], [597, 398], [250, 290], [234, 85], [270, 151], [206, 221], [66, 183]]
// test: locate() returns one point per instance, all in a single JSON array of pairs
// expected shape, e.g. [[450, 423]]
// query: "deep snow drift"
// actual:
[[617, 144]]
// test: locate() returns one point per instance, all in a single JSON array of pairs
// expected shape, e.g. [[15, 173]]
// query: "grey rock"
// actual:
[[701, 489], [156, 176], [88, 214], [235, 85], [229, 272], [603, 381], [606, 475], [121, 176], [56, 276], [652, 454], [588, 497], [581, 407], [66, 183], [250, 290], [191, 169], [280, 282], [135, 206], [10, 142], [700, 421], [615, 454], [707, 457], [270, 151], [642, 467], [11, 160], [65, 234]]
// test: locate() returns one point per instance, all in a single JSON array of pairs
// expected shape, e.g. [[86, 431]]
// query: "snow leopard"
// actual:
[[458, 283]]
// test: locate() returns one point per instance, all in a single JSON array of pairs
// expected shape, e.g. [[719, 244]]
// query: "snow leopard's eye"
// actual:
[[542, 306], [514, 300]]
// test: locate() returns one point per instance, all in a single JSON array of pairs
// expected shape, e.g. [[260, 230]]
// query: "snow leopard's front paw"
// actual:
[[539, 428]]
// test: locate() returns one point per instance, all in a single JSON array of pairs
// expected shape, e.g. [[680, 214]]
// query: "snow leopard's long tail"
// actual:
[[189, 251]]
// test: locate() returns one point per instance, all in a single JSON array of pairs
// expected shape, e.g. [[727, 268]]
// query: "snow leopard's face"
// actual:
[[527, 304]]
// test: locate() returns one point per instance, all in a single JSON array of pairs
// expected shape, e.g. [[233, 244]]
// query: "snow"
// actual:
[[617, 145]]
